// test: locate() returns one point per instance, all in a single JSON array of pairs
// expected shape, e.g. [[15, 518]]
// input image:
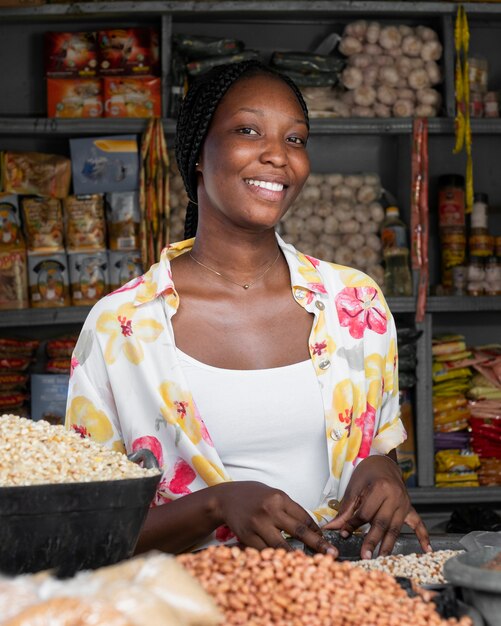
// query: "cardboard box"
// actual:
[[89, 277], [132, 97], [74, 98], [49, 393], [102, 164], [124, 266], [70, 55], [10, 221], [127, 51]]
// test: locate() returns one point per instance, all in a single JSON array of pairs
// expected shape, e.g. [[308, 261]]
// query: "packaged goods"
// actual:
[[35, 173], [73, 98], [127, 51], [132, 97], [14, 364], [124, 266], [13, 279], [61, 347], [306, 61], [199, 47], [70, 55], [89, 277], [18, 347], [49, 393], [451, 201], [397, 274], [195, 68], [58, 366], [12, 399], [123, 217], [103, 164], [85, 223], [43, 223], [10, 223], [9, 382], [406, 452], [49, 280]]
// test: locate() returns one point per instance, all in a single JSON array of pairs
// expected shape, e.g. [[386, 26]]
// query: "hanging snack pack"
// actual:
[[124, 266], [89, 277], [35, 173], [49, 280], [123, 218], [70, 55], [85, 225], [10, 223], [43, 221]]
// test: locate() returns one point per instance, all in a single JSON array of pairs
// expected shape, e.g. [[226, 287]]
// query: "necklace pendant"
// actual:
[[246, 286]]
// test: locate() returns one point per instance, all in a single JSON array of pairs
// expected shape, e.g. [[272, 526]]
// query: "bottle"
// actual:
[[397, 273], [480, 242]]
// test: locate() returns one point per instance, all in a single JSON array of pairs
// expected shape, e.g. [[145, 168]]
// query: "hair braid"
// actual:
[[196, 114]]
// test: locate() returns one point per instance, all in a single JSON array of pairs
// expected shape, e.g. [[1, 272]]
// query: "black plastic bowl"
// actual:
[[72, 526]]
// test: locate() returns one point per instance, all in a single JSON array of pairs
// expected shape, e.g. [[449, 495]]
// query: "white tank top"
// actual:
[[267, 425]]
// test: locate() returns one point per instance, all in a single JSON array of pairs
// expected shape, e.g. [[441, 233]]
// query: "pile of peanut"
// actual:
[[425, 569], [279, 588]]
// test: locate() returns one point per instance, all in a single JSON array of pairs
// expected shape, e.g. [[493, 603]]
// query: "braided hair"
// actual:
[[197, 110]]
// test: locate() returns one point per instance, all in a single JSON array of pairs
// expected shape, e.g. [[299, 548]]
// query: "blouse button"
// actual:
[[320, 305], [325, 364], [336, 434], [333, 504], [299, 294]]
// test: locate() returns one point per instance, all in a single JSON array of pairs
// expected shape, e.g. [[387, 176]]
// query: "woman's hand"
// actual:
[[258, 514], [376, 494]]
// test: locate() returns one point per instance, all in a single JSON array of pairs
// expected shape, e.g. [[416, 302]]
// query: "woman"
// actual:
[[290, 361]]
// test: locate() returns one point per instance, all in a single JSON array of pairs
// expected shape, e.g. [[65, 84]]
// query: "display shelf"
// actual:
[[457, 304], [39, 126], [43, 317], [402, 304], [458, 495]]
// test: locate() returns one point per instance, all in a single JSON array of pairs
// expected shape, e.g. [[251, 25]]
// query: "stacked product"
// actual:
[[193, 55], [16, 356], [483, 103], [451, 378], [13, 260], [485, 413], [337, 218], [112, 72], [452, 229], [392, 70]]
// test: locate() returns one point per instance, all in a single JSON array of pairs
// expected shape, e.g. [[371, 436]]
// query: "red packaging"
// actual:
[[127, 51], [132, 97], [70, 55], [71, 98]]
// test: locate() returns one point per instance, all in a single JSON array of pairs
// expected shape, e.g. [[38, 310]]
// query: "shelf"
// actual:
[[460, 304], [458, 495], [36, 126], [402, 304], [44, 317]]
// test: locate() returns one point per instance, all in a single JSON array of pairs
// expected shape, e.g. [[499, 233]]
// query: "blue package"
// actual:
[[104, 164], [49, 393]]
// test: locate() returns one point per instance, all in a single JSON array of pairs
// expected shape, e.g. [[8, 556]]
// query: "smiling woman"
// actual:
[[267, 380]]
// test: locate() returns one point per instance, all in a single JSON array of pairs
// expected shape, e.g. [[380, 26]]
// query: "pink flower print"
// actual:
[[125, 326], [152, 444], [366, 422], [132, 284], [160, 498], [224, 533], [203, 428], [359, 308], [318, 348], [317, 287], [73, 365], [179, 477], [315, 262]]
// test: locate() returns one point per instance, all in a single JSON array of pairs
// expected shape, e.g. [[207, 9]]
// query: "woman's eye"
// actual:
[[296, 140], [247, 131]]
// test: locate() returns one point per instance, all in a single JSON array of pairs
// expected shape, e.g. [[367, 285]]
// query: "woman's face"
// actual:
[[253, 162]]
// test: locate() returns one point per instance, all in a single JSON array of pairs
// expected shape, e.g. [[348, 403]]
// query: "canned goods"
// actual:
[[451, 200]]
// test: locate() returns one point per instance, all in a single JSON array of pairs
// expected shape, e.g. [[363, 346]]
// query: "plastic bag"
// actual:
[[307, 62], [473, 517], [85, 225], [36, 173], [43, 221], [199, 46]]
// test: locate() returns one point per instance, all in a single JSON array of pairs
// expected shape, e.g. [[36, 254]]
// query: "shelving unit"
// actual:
[[381, 145]]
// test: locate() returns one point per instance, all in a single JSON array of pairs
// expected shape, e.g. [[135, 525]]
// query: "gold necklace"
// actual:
[[246, 285]]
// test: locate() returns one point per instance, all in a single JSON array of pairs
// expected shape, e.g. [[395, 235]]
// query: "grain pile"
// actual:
[[34, 453], [279, 588], [425, 569]]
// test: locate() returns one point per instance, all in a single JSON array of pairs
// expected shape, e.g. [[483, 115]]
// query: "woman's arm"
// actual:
[[257, 515]]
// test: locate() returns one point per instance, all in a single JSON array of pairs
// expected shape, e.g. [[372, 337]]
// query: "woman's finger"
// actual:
[[346, 510], [301, 529], [414, 520], [392, 534], [380, 521]]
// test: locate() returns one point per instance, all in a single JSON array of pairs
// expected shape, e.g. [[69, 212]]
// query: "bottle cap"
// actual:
[[392, 211]]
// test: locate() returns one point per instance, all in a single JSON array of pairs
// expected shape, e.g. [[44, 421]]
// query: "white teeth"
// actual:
[[265, 185]]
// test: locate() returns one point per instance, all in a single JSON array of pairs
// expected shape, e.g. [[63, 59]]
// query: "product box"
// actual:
[[10, 221], [124, 266], [89, 277], [132, 97], [70, 55], [73, 98], [103, 164], [49, 393], [48, 280], [123, 219], [127, 51]]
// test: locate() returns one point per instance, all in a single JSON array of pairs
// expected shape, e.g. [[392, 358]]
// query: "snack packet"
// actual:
[[85, 225], [43, 221]]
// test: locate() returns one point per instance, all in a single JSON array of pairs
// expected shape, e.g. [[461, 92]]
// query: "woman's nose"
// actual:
[[274, 151]]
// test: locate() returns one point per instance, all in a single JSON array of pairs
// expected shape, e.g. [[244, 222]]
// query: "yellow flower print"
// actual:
[[374, 374], [208, 471], [84, 418], [148, 289], [178, 410], [391, 370], [126, 334], [118, 446], [325, 347]]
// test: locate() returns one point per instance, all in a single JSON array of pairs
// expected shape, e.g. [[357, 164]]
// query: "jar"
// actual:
[[453, 249], [478, 71], [475, 276], [476, 104], [491, 104], [451, 200], [493, 276], [479, 210]]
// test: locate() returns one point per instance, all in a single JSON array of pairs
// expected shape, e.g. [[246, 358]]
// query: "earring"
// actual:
[[196, 163]]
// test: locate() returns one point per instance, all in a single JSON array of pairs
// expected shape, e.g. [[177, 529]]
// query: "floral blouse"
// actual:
[[127, 389]]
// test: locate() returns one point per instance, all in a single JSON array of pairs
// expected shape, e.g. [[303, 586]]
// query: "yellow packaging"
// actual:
[[43, 221], [85, 225]]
